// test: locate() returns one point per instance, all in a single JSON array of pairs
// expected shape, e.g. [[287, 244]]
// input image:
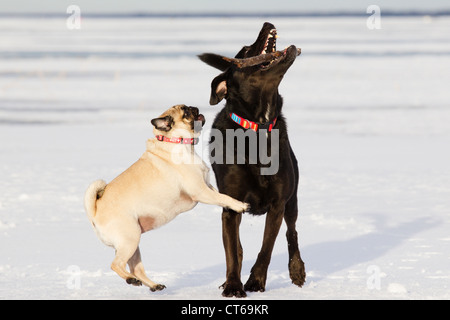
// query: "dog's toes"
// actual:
[[158, 287], [297, 272], [298, 279], [134, 281], [233, 291], [244, 207], [254, 285]]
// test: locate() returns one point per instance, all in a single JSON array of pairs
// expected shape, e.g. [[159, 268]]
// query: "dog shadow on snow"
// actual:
[[325, 258]]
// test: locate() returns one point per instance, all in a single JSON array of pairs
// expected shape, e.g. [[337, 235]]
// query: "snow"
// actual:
[[368, 114]]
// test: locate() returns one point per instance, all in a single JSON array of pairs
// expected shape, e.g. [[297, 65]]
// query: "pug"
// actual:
[[168, 179]]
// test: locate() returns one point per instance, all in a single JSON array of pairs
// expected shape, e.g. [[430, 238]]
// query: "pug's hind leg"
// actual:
[[137, 269], [123, 254], [125, 236]]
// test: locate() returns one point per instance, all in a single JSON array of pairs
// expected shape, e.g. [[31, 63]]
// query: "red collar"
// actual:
[[177, 140], [252, 125]]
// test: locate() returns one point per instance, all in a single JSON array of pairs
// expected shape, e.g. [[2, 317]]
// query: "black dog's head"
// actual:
[[255, 67]]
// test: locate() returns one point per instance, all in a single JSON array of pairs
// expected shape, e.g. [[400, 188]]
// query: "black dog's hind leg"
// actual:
[[233, 254], [258, 275], [296, 264]]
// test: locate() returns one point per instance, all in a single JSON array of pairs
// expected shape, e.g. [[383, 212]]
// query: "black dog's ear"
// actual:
[[219, 84], [218, 89], [215, 61], [163, 124]]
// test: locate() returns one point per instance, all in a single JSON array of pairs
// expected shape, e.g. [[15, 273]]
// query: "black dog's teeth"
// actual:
[[270, 46], [271, 42]]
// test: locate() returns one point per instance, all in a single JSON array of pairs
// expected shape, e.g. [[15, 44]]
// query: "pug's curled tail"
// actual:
[[93, 193]]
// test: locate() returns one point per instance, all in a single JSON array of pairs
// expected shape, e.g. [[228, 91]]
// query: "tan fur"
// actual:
[[149, 194]]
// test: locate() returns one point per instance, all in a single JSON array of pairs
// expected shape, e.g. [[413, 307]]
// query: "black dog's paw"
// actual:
[[297, 272], [254, 285], [298, 280], [158, 287], [235, 290]]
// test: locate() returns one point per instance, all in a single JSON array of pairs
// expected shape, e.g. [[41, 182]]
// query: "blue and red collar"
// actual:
[[255, 126]]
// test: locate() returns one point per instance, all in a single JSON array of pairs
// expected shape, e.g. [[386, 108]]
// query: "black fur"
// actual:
[[252, 93]]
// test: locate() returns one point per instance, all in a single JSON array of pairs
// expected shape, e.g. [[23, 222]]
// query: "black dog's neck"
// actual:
[[259, 106]]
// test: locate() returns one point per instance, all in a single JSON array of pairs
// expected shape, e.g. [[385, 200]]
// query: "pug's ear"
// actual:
[[218, 89], [163, 123]]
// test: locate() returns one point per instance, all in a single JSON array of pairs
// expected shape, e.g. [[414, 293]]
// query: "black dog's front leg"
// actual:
[[233, 253], [258, 275]]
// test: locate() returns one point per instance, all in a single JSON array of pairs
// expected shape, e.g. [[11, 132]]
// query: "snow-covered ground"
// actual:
[[369, 119]]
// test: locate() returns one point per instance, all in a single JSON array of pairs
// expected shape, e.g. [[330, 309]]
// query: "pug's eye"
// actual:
[[185, 113]]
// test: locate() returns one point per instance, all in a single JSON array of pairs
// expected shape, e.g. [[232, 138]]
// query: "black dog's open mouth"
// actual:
[[271, 42], [266, 60], [268, 56], [269, 47], [279, 56]]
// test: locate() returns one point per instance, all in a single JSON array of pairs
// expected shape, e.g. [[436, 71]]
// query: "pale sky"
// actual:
[[225, 6]]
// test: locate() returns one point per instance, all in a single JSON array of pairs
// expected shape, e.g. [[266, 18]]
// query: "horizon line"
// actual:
[[144, 14]]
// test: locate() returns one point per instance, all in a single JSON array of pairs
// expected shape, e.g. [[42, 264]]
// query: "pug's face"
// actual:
[[180, 121]]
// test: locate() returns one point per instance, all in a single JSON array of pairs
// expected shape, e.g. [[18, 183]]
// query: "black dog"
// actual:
[[249, 84]]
